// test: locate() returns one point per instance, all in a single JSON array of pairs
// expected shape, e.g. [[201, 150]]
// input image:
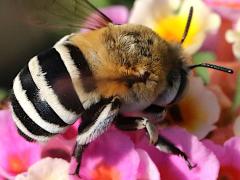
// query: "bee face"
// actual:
[[151, 67]]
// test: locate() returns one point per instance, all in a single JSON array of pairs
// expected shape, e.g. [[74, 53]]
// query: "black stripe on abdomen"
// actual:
[[59, 80], [41, 106], [82, 65], [26, 121]]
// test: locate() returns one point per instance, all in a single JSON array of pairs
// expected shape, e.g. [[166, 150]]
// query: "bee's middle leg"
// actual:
[[159, 141]]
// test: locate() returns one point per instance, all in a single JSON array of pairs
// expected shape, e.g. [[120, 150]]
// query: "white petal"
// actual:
[[237, 27], [145, 12], [214, 22], [231, 36], [47, 169], [236, 49]]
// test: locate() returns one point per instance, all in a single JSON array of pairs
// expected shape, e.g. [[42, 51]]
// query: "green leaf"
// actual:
[[236, 100], [3, 94], [102, 3], [202, 57]]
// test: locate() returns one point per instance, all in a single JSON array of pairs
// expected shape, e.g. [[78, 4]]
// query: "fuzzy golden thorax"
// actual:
[[130, 61]]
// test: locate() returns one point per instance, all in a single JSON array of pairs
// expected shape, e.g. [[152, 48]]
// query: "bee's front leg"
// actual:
[[164, 145], [136, 123], [160, 142], [155, 112]]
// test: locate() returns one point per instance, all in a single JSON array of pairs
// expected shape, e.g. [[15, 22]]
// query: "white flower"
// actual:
[[47, 169], [233, 37], [165, 19]]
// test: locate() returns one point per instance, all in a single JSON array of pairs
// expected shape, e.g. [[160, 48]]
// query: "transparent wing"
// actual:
[[63, 14]]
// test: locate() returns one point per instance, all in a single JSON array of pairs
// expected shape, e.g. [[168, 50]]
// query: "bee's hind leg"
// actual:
[[95, 122], [160, 142], [77, 154]]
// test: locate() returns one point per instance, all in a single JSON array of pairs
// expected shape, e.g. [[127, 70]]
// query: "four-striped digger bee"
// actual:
[[99, 75]]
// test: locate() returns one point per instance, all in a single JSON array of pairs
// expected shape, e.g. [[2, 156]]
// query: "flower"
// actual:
[[226, 82], [233, 37], [198, 111], [118, 14], [46, 169], [173, 167], [113, 156], [228, 156], [61, 146], [14, 158], [227, 8], [163, 15], [58, 147]]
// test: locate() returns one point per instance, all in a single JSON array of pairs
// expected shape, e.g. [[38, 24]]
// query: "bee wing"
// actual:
[[74, 14]]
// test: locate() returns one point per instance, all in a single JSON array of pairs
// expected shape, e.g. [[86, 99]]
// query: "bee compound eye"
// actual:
[[182, 86]]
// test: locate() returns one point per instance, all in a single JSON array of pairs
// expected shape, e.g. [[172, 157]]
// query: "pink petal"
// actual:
[[147, 169], [172, 166], [20, 152], [118, 14], [228, 154], [227, 8], [110, 155], [58, 147]]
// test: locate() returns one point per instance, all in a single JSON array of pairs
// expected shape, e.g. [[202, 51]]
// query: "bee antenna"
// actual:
[[187, 25], [212, 66]]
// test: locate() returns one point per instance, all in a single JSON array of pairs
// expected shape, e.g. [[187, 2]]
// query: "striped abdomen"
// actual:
[[45, 98]]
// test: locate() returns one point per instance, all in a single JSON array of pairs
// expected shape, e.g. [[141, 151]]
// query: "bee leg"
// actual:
[[158, 112], [77, 154], [136, 123], [101, 118], [164, 145], [161, 143]]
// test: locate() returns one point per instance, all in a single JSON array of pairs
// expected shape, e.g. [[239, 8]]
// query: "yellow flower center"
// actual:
[[172, 28], [106, 172]]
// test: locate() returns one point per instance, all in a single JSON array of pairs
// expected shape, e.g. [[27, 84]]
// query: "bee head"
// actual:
[[177, 76]]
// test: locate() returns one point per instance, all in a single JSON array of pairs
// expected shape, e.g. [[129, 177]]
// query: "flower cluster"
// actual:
[[205, 124]]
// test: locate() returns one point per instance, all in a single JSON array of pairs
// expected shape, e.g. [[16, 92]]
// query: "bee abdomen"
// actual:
[[44, 99]]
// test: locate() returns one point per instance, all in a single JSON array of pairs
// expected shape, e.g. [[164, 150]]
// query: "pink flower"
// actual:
[[227, 8], [16, 154], [172, 167], [113, 156], [228, 156], [118, 14], [61, 146], [225, 81]]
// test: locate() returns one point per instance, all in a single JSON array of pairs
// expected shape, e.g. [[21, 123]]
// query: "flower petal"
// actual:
[[171, 166], [147, 169], [118, 14], [228, 156], [112, 155], [199, 109], [15, 158], [47, 169]]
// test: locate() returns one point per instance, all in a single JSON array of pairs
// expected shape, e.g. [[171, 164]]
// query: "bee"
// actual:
[[100, 75]]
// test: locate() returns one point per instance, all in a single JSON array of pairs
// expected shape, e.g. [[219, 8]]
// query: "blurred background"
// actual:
[[21, 41]]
